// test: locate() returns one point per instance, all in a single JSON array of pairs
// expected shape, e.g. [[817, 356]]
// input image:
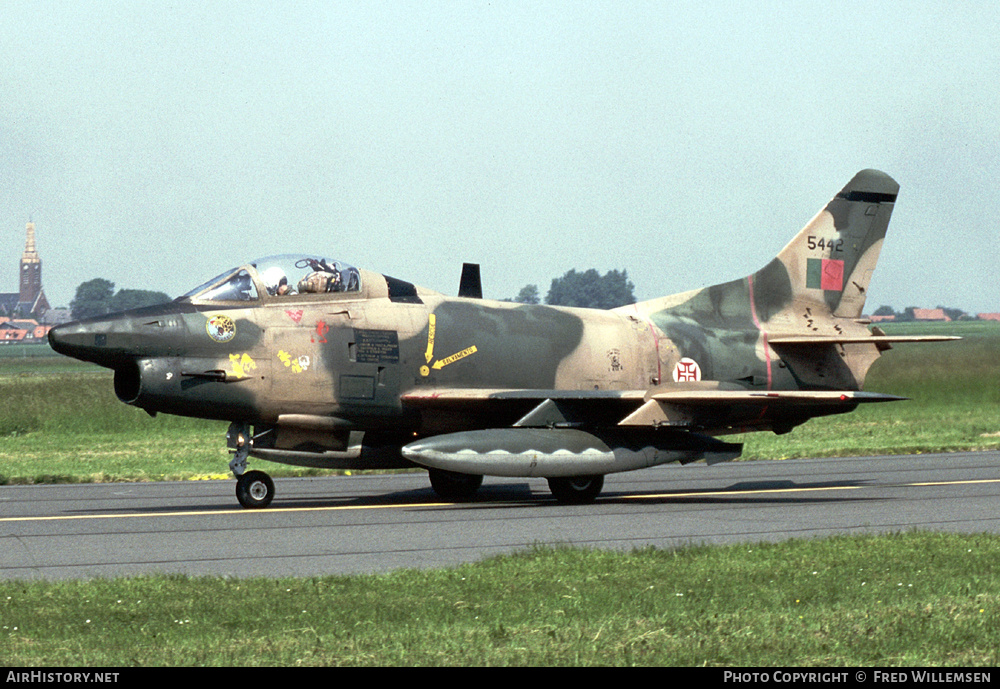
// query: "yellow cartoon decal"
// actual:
[[298, 365], [242, 364]]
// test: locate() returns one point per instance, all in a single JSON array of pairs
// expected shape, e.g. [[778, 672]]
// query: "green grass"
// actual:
[[69, 426], [910, 599], [35, 358]]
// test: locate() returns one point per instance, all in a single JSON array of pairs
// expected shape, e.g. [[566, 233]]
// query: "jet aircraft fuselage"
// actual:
[[318, 363]]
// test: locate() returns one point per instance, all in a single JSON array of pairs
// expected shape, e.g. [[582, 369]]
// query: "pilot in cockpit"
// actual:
[[276, 282]]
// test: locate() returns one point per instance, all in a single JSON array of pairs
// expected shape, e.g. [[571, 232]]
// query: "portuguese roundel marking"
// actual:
[[686, 370]]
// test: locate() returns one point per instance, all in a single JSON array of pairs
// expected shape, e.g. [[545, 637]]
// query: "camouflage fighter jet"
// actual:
[[317, 363]]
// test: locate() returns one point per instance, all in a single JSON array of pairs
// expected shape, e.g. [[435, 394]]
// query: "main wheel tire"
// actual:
[[451, 485], [576, 490], [254, 490]]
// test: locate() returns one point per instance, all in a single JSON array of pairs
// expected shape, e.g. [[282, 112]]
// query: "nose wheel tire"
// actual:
[[576, 490], [254, 490]]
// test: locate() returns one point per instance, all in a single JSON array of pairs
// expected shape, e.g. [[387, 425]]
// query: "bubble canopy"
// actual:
[[279, 276]]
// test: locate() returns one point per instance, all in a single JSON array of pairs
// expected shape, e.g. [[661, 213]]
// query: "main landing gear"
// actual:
[[576, 490], [451, 485], [254, 489]]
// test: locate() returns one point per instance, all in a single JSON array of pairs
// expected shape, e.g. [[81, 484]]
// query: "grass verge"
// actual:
[[907, 599]]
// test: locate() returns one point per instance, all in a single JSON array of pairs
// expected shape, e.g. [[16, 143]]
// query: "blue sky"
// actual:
[[156, 144]]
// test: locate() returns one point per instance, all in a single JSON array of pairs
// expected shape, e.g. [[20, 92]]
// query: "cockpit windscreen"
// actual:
[[290, 275], [280, 276]]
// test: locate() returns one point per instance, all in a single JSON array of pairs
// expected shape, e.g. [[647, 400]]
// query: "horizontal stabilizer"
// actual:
[[870, 339]]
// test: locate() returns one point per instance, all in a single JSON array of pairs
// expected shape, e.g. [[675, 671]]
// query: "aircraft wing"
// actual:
[[531, 408], [686, 408], [446, 396]]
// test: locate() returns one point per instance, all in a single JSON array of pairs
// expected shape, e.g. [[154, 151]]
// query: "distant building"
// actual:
[[29, 302], [988, 316], [930, 315], [57, 316], [22, 331]]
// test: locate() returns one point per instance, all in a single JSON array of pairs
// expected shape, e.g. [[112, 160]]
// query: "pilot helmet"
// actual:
[[274, 277]]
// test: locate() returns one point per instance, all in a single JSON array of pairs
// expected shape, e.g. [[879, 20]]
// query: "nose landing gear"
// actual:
[[254, 489]]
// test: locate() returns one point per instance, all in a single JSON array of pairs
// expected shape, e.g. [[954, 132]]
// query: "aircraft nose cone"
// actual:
[[85, 341], [118, 338], [69, 338], [74, 339]]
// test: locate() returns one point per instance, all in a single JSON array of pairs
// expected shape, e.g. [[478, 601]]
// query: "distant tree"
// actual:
[[134, 298], [592, 290], [528, 295], [93, 298], [884, 311], [953, 314], [97, 297]]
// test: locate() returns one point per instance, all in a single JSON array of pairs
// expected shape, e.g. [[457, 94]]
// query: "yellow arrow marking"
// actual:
[[429, 354], [431, 327], [438, 365]]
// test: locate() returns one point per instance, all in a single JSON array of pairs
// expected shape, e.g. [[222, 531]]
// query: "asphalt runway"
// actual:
[[377, 523]]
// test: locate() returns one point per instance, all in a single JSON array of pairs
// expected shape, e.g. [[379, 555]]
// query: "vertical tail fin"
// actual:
[[829, 263], [815, 287]]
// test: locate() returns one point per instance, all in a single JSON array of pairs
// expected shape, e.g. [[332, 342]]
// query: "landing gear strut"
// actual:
[[254, 489]]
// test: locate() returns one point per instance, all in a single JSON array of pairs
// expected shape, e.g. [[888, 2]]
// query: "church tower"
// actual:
[[32, 299]]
